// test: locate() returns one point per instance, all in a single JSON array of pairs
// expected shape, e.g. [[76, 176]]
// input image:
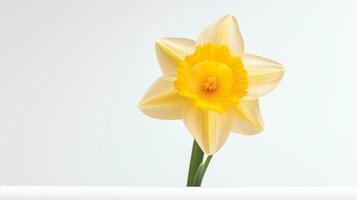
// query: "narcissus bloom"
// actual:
[[212, 84]]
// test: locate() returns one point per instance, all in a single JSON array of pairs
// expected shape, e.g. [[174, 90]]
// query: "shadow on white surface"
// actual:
[[161, 193]]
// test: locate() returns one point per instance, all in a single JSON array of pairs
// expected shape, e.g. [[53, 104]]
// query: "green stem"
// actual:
[[198, 167], [196, 160]]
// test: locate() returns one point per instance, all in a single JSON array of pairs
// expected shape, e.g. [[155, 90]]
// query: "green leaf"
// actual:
[[201, 171]]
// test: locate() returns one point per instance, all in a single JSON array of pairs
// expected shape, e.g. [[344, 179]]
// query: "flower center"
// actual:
[[210, 84], [212, 78]]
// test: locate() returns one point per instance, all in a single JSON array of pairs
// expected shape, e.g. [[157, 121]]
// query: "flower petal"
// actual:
[[161, 100], [210, 129], [169, 51], [224, 31], [263, 75], [248, 120]]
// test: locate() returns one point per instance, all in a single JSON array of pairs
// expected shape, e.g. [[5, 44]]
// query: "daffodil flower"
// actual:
[[211, 84]]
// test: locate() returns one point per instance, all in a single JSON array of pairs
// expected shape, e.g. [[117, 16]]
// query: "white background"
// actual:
[[72, 73]]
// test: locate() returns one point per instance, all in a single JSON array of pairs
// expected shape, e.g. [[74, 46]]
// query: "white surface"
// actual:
[[154, 193], [72, 73]]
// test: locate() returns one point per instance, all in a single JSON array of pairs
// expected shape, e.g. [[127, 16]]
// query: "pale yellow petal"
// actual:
[[210, 129], [161, 101], [224, 31], [263, 75], [170, 51], [248, 119]]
